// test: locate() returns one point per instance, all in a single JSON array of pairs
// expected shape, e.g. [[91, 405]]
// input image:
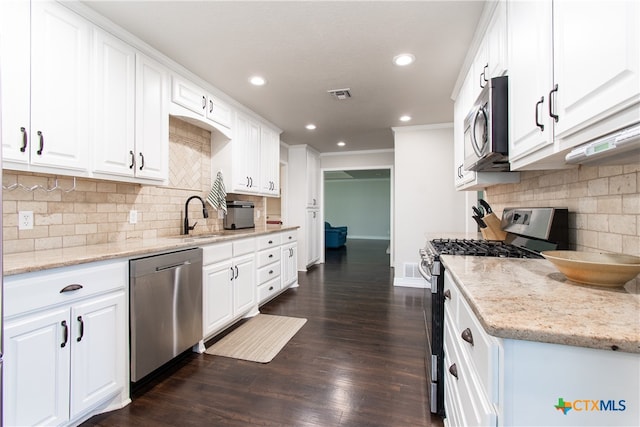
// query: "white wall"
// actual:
[[363, 205], [425, 198]]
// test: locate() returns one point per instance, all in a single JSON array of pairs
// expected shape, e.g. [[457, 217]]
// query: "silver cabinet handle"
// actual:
[[453, 370], [70, 288]]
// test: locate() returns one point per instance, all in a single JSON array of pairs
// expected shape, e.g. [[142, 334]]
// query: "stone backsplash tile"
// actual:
[[97, 211], [603, 203]]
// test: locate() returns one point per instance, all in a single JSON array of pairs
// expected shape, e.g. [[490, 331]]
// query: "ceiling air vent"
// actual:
[[340, 94]]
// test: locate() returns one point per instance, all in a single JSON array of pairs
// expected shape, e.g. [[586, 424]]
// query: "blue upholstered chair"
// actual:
[[334, 237]]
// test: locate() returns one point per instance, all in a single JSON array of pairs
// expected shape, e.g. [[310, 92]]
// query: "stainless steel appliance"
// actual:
[[486, 129], [239, 215], [165, 308], [529, 232]]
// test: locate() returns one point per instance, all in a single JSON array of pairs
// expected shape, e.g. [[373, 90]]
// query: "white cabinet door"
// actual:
[[218, 111], [246, 155], [270, 162], [530, 77], [496, 42], [244, 283], [98, 346], [152, 120], [313, 236], [15, 69], [59, 87], [596, 59], [114, 105], [188, 95], [218, 295], [36, 369], [289, 262], [313, 179]]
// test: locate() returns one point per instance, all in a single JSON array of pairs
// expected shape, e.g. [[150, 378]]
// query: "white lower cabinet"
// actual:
[[493, 381], [289, 262], [65, 342], [229, 280]]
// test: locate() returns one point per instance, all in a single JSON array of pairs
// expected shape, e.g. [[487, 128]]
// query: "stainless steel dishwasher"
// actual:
[[165, 308]]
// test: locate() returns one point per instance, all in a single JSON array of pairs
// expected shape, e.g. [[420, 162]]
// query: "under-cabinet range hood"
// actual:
[[617, 148]]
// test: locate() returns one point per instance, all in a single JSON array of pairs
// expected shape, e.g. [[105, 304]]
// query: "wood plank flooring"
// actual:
[[359, 360]]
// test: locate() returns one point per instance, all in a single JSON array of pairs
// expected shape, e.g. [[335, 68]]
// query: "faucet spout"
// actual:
[[205, 213]]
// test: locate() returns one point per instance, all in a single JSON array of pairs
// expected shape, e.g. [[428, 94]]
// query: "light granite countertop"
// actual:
[[26, 262], [528, 299]]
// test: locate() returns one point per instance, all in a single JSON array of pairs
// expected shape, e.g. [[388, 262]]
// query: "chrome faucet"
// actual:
[[205, 213]]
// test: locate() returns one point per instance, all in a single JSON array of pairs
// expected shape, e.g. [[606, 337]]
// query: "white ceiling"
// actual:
[[305, 48]]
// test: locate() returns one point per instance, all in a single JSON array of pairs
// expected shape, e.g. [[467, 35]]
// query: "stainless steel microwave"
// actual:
[[486, 129]]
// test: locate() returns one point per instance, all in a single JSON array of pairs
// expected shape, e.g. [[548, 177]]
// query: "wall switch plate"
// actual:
[[133, 216], [25, 220]]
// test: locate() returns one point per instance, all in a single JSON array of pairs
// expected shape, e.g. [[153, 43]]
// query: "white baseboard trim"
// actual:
[[410, 282]]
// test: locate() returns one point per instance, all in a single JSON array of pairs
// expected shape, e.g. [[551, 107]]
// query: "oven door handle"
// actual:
[[424, 273]]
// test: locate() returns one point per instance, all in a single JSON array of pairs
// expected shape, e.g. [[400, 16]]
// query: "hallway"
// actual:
[[359, 360]]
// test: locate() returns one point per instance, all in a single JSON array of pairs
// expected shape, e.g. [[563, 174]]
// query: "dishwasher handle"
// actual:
[[169, 267]]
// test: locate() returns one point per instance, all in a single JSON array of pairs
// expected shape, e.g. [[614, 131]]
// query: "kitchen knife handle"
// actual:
[[66, 333], [538, 104], [24, 140], [467, 336], [81, 328]]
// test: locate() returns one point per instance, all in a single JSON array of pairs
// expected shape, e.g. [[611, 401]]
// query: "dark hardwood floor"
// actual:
[[358, 361]]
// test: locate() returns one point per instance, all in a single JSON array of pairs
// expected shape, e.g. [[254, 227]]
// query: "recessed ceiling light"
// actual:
[[310, 126], [405, 118], [403, 59], [257, 81], [341, 144]]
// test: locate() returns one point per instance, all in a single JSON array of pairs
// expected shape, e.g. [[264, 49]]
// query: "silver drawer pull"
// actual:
[[447, 294], [467, 336]]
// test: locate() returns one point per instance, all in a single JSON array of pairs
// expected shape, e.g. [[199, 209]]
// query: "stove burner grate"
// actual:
[[487, 248]]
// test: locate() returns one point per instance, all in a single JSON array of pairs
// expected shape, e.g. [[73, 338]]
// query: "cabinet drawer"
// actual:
[[451, 297], [216, 253], [269, 272], [289, 236], [483, 353], [269, 256], [471, 403], [269, 241], [33, 291], [268, 289], [244, 246]]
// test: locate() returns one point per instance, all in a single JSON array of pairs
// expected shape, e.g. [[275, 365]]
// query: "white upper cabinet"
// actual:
[[114, 106], [250, 161], [574, 70], [131, 117], [47, 128], [596, 60], [152, 120], [530, 78], [270, 157], [205, 107]]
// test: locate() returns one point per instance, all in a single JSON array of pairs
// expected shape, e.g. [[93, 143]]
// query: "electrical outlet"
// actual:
[[133, 216], [25, 220]]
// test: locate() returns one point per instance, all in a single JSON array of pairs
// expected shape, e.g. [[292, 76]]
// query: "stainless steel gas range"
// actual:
[[529, 232]]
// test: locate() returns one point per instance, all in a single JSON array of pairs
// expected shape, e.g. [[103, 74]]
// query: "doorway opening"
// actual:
[[361, 201]]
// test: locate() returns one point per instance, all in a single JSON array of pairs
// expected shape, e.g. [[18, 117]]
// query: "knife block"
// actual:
[[493, 230]]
